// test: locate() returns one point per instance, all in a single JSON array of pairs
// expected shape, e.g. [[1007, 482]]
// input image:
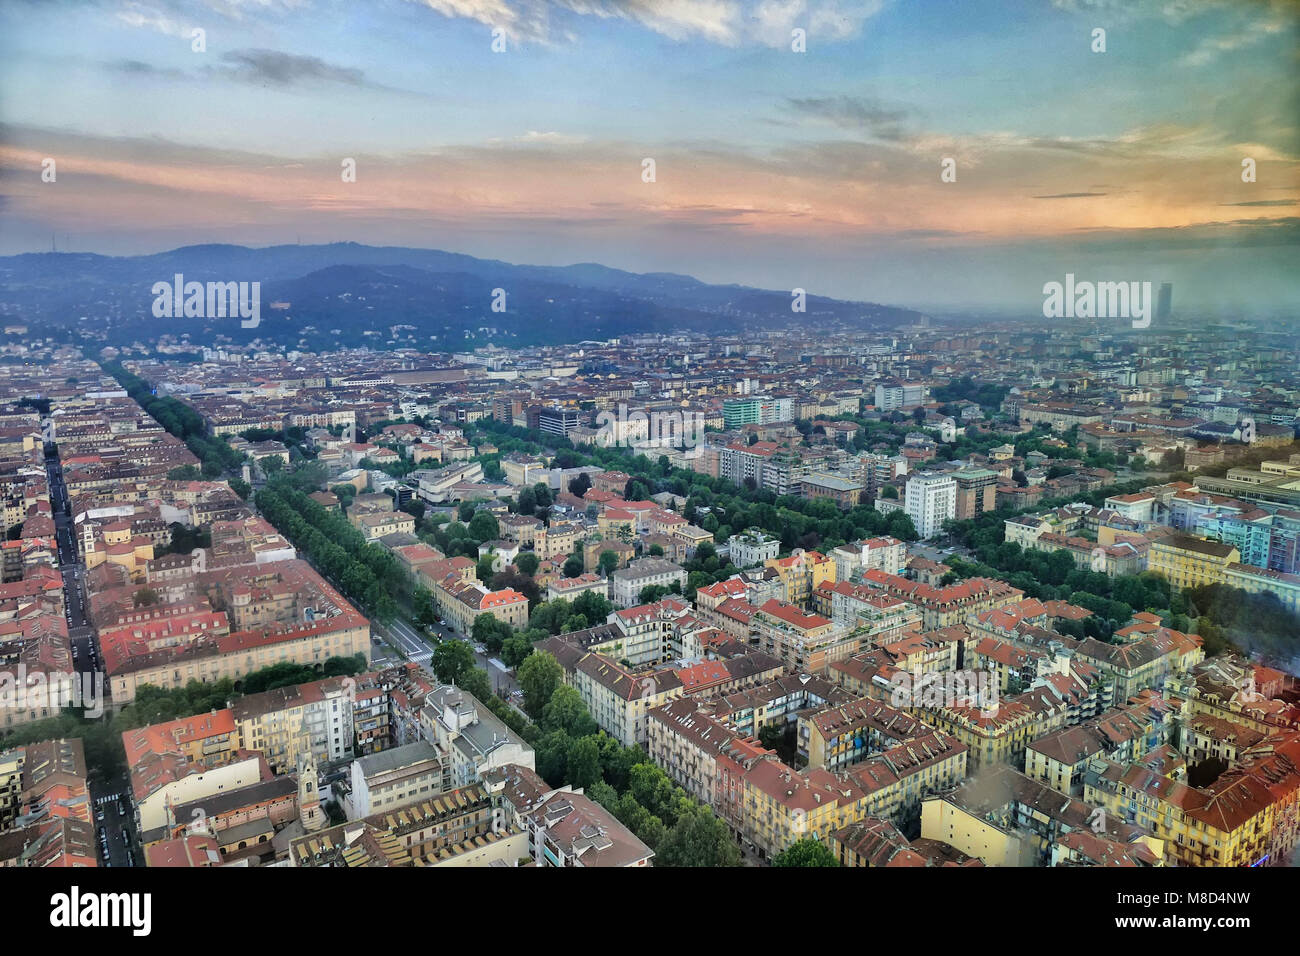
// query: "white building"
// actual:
[[629, 581], [395, 778], [470, 739], [931, 500], [895, 396], [870, 554], [751, 548]]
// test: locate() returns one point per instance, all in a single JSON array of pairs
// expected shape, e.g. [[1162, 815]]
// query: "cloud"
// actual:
[[175, 17], [550, 138], [1067, 195], [1275, 20], [725, 22], [1262, 202], [140, 68], [275, 68], [853, 112]]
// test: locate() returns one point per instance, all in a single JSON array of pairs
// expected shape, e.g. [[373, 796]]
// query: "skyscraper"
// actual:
[[1165, 300]]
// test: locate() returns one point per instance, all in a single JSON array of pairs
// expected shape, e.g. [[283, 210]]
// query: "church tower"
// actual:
[[310, 812]]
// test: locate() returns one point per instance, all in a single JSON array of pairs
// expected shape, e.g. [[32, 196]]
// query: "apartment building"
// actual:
[[752, 547], [1246, 817], [288, 722], [460, 601], [565, 827], [1004, 818], [755, 410], [392, 779], [1189, 562], [929, 500], [802, 573], [471, 740], [626, 584], [879, 554], [976, 492], [462, 827], [948, 605]]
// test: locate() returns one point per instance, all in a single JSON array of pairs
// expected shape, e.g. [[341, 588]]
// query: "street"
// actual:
[[81, 634], [113, 819], [418, 648]]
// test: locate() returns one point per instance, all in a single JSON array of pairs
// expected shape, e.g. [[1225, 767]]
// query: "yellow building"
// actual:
[[802, 573], [781, 806], [234, 655], [998, 735], [1005, 818], [1189, 562], [1247, 817]]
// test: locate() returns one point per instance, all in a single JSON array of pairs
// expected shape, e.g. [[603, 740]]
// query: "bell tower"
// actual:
[[310, 812]]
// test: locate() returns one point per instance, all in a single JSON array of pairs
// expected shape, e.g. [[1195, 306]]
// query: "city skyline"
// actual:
[[773, 168]]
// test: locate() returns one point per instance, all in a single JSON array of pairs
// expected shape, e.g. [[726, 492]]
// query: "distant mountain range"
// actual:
[[349, 294]]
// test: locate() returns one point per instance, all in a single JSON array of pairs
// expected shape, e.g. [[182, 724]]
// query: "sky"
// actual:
[[818, 169]]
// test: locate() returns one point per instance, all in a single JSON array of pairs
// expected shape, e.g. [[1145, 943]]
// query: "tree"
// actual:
[[515, 650], [551, 615], [539, 676], [542, 492], [240, 487], [566, 711], [583, 766], [484, 527], [527, 562], [580, 486], [510, 578], [485, 631], [698, 838], [476, 681], [651, 593], [527, 503], [592, 605], [635, 490], [572, 567], [608, 562], [805, 852], [423, 606], [551, 756], [451, 660], [486, 567], [145, 597], [656, 551]]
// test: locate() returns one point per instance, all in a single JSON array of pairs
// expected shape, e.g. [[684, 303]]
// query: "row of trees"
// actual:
[[572, 750], [215, 454], [367, 573]]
